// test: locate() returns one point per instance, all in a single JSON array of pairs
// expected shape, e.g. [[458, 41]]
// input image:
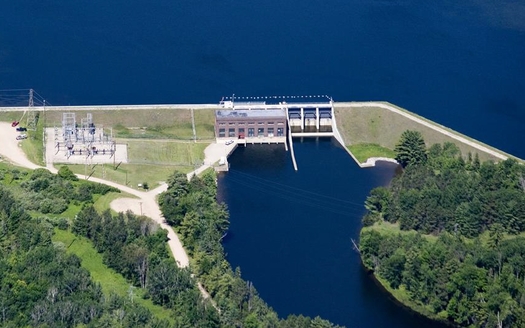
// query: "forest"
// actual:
[[447, 236], [41, 284], [44, 284]]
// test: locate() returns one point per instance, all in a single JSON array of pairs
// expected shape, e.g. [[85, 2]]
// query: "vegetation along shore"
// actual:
[[446, 237]]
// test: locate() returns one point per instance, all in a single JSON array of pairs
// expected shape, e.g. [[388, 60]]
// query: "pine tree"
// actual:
[[411, 149]]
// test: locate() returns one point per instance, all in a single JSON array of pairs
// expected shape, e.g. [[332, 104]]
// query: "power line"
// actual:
[[300, 196], [21, 98], [262, 180]]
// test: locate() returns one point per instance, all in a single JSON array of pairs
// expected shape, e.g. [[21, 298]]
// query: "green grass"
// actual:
[[164, 152], [110, 281], [364, 151], [149, 123], [132, 174], [456, 132], [11, 116], [71, 211], [33, 146], [388, 228], [375, 125]]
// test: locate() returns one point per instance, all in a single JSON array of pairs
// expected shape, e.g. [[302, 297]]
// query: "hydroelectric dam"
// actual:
[[243, 121]]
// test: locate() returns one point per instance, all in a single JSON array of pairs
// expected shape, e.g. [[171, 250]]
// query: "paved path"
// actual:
[[95, 108], [240, 105], [144, 204], [427, 124]]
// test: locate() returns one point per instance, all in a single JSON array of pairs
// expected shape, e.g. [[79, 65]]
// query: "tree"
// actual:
[[393, 267], [496, 233], [166, 282], [82, 225], [65, 173], [411, 149], [378, 200]]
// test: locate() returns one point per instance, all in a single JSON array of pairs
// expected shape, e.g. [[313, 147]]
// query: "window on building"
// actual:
[[251, 123], [231, 132], [280, 132], [222, 123], [271, 123], [231, 123], [260, 132], [222, 133], [260, 123], [270, 132], [280, 123], [251, 132]]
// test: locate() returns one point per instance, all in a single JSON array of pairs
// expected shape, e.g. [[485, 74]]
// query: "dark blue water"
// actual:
[[460, 63], [291, 232]]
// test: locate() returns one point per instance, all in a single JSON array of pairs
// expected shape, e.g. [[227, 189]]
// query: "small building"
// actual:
[[251, 124]]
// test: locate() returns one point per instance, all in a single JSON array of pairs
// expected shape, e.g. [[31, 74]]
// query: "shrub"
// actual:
[[65, 173]]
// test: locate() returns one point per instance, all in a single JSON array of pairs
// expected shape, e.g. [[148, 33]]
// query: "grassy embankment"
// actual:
[[110, 281], [174, 124], [364, 151], [365, 128]]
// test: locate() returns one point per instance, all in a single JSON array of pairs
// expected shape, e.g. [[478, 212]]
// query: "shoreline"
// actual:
[[399, 303]]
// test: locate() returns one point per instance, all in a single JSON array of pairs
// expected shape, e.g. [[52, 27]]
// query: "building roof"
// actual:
[[253, 113]]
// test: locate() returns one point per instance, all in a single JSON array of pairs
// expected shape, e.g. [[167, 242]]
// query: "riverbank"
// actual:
[[401, 299]]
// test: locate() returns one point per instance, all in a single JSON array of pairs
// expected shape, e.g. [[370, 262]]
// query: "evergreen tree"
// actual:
[[411, 149]]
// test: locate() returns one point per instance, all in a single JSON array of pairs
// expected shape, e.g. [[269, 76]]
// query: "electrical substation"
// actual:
[[78, 140]]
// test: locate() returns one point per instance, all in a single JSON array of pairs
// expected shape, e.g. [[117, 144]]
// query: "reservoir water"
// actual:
[[291, 231], [457, 62]]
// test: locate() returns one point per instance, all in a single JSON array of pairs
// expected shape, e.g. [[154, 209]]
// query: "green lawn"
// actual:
[[102, 201], [109, 280], [164, 152], [375, 125], [388, 228], [132, 174], [149, 123], [33, 146], [11, 116], [364, 151]]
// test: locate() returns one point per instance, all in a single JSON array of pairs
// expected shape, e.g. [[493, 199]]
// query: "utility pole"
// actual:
[[31, 118], [44, 135]]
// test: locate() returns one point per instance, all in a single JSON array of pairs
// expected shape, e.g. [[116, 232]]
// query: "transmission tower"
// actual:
[[31, 116]]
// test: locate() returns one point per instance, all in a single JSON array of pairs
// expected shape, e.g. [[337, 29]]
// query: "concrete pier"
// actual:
[[290, 140]]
